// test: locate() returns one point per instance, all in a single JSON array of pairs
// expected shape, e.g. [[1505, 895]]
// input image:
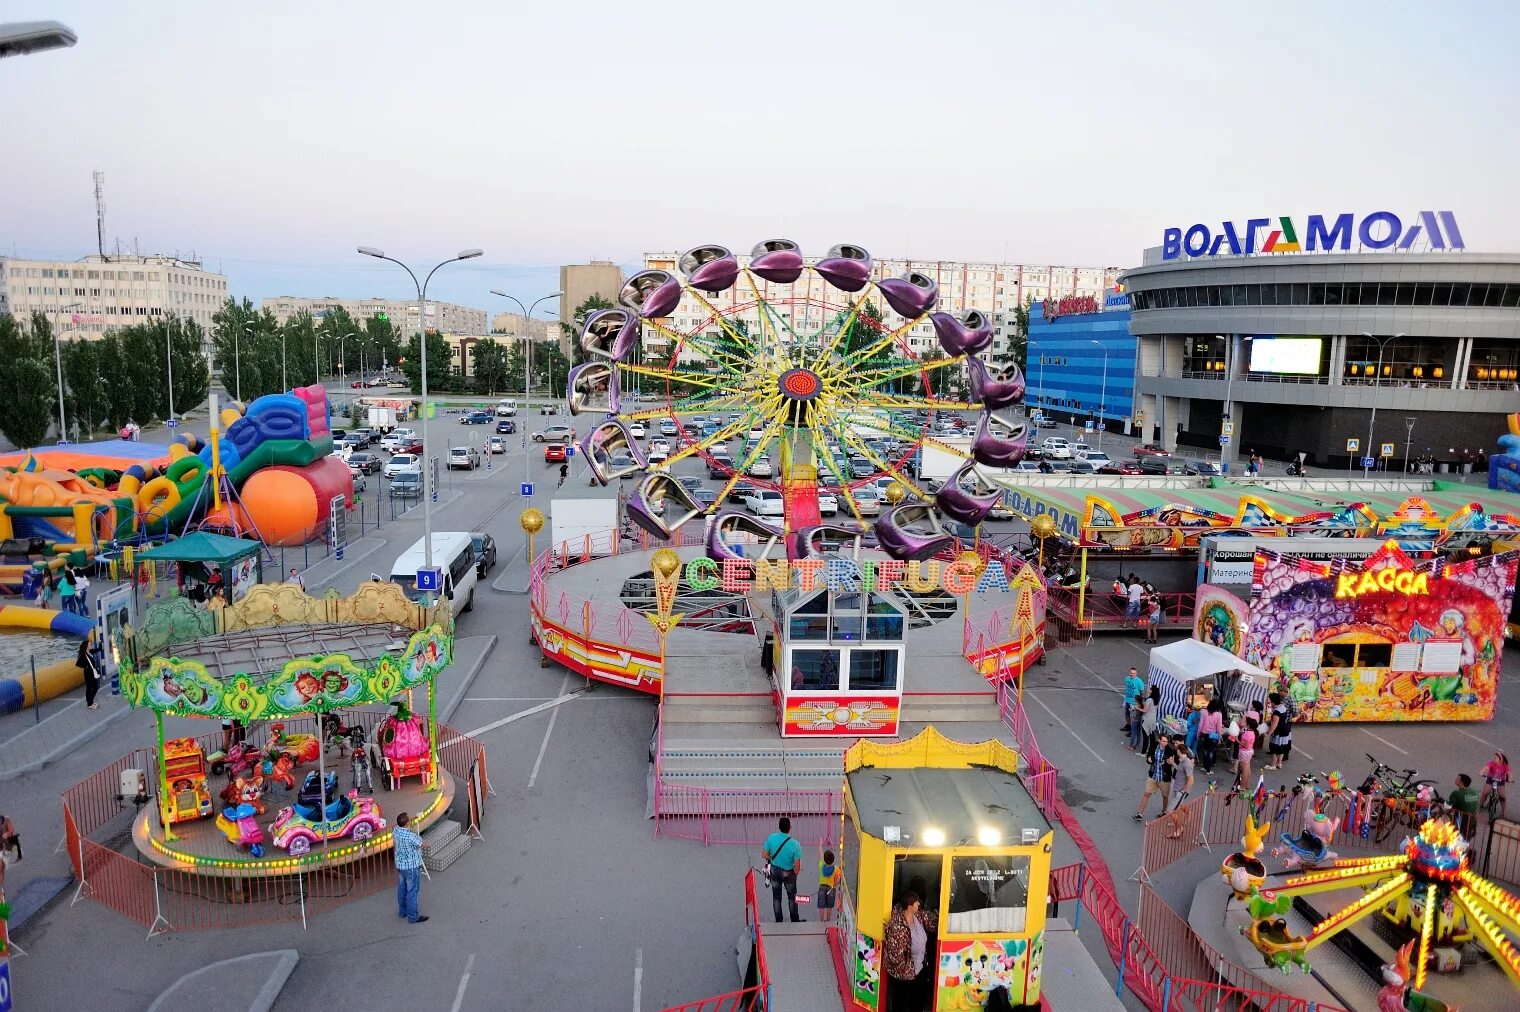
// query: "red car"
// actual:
[[1150, 450], [554, 453], [415, 446], [1121, 467], [356, 384]]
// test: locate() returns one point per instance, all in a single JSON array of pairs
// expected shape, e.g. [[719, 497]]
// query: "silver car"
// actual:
[[465, 457]]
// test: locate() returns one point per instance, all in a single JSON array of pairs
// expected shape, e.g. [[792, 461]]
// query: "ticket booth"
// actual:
[[957, 828], [836, 662]]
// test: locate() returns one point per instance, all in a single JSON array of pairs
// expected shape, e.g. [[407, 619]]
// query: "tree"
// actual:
[[516, 364], [592, 303], [116, 394], [142, 353], [28, 390], [84, 402], [491, 372], [1018, 341], [192, 376], [441, 374], [302, 353], [382, 337], [335, 330], [551, 367]]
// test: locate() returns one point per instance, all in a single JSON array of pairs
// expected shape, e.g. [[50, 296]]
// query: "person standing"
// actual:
[[1151, 616], [1210, 732], [1245, 748], [829, 875], [1135, 593], [783, 860], [1464, 806], [66, 590], [1150, 720], [1280, 735], [45, 589], [1158, 776], [89, 663], [1133, 686], [81, 591], [905, 950], [408, 869], [295, 578]]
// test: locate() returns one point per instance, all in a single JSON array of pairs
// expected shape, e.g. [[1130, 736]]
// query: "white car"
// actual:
[[828, 504], [1080, 450], [637, 430], [506, 409], [658, 455], [496, 444], [868, 499], [761, 468], [342, 451], [1095, 457], [401, 462], [663, 445], [764, 502], [466, 457], [391, 441], [1057, 448]]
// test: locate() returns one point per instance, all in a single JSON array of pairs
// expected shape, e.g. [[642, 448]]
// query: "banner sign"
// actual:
[[1375, 231]]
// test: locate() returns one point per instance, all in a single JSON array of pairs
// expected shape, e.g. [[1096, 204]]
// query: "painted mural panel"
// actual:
[[1385, 638], [970, 969], [866, 975]]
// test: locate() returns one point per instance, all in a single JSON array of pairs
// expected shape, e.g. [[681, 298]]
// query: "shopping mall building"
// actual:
[[1298, 352]]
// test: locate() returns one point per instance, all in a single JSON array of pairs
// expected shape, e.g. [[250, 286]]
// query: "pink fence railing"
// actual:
[[746, 817], [1103, 609]]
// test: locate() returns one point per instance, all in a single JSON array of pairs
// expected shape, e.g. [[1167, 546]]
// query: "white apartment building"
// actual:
[[97, 295], [444, 317], [994, 288]]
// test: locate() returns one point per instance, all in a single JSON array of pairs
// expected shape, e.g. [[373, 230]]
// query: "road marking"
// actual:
[[464, 982], [1480, 741], [1090, 671], [519, 715], [1385, 741], [506, 699], [1297, 748], [638, 979], [544, 746], [1080, 741]]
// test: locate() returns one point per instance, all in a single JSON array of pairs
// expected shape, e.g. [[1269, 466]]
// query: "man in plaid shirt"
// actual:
[[408, 869]]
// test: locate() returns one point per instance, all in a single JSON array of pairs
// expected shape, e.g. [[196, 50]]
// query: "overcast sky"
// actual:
[[270, 139]]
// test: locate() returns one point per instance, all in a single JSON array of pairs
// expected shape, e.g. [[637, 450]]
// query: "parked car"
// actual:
[[622, 461], [861, 468], [705, 497], [1027, 464], [342, 451], [1163, 464], [466, 457], [828, 504], [555, 434], [760, 467], [690, 482], [360, 484], [496, 444], [364, 436], [763, 502], [1083, 467], [339, 436], [375, 381], [555, 453], [364, 462], [506, 427], [506, 409], [740, 491], [391, 441], [1055, 465], [1056, 448], [402, 462], [868, 499], [1097, 457], [1043, 422], [658, 455], [1121, 467], [406, 485], [668, 428], [637, 430], [1150, 450], [1203, 468], [720, 465], [485, 551], [476, 418], [1001, 511], [412, 444]]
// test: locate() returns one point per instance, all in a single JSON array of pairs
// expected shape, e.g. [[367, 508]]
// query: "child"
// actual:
[[1247, 750], [1153, 618], [361, 770], [828, 884], [1495, 776]]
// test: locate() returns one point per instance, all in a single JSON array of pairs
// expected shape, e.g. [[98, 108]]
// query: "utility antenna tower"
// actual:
[[100, 213]]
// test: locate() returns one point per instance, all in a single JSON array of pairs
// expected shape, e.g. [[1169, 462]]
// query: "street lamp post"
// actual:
[[237, 356], [1103, 397], [527, 339], [427, 498], [1408, 437], [284, 375], [1377, 381], [169, 362], [63, 426], [1231, 354]]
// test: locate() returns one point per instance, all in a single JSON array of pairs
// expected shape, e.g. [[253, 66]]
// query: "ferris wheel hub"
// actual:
[[800, 384]]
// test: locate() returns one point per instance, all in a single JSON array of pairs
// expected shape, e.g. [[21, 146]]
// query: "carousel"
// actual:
[[307, 764]]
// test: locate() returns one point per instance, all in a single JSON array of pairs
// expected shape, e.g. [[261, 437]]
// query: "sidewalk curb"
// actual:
[[284, 961], [95, 728], [447, 712]]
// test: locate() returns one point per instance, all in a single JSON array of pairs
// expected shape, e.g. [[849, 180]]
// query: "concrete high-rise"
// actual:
[[579, 282]]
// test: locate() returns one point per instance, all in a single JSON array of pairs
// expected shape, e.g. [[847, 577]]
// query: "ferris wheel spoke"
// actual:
[[697, 379], [821, 361], [885, 341], [870, 454], [702, 445], [740, 338], [735, 363]]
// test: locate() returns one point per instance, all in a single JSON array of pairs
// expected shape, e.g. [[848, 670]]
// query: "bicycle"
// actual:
[[1400, 800]]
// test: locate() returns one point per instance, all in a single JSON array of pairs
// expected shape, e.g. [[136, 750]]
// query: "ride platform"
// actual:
[[200, 848]]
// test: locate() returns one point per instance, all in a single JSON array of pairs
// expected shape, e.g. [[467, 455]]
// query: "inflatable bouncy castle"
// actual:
[[276, 453]]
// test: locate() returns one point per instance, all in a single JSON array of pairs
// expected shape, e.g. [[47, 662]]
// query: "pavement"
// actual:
[[569, 899]]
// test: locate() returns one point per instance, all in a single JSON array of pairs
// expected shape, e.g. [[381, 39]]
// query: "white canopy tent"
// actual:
[[1177, 666]]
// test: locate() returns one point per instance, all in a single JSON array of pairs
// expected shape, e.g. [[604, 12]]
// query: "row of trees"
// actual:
[[121, 377], [259, 355]]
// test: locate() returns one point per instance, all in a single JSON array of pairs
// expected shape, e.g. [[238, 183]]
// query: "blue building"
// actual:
[[1081, 361]]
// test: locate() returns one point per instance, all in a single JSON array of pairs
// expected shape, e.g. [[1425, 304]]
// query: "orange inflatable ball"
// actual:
[[289, 505]]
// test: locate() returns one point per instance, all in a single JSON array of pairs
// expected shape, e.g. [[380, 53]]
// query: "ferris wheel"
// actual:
[[815, 379]]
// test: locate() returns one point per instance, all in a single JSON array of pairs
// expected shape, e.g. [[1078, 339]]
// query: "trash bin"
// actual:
[[1224, 467], [1467, 467], [1443, 468]]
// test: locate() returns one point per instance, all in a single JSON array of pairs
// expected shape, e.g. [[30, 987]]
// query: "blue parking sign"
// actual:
[[569, 449], [1368, 461], [430, 580], [527, 490]]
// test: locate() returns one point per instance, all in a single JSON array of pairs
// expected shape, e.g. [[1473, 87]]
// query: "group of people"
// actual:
[[69, 585], [1172, 756], [1142, 604], [211, 592], [1465, 801], [1254, 464]]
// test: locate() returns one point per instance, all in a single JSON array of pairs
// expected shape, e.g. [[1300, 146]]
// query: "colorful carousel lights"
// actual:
[[1437, 853]]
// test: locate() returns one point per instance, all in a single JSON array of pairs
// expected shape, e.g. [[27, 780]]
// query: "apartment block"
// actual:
[[444, 317], [95, 295]]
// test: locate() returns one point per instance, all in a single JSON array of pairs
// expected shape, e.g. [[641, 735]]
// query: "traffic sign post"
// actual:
[[527, 489], [433, 477], [1386, 450], [1224, 440], [1353, 445], [430, 580], [337, 524], [1368, 462], [172, 423], [1227, 428]]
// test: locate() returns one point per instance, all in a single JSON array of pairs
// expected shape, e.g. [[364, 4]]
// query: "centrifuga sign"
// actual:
[[1378, 230]]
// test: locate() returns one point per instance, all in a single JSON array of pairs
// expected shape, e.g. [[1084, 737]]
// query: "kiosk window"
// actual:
[[988, 894], [1339, 655], [815, 670], [809, 627], [1374, 655], [885, 622], [873, 670]]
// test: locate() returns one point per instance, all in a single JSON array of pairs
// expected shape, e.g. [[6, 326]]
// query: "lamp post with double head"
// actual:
[[63, 427], [237, 357], [1377, 381], [427, 447], [1103, 397], [527, 339]]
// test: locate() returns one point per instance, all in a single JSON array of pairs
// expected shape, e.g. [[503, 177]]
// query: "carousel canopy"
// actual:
[[202, 546]]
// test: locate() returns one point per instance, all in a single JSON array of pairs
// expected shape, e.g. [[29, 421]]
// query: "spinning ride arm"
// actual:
[[1493, 913], [1348, 915]]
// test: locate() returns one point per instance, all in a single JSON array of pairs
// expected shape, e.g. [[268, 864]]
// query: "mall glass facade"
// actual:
[[1066, 374]]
